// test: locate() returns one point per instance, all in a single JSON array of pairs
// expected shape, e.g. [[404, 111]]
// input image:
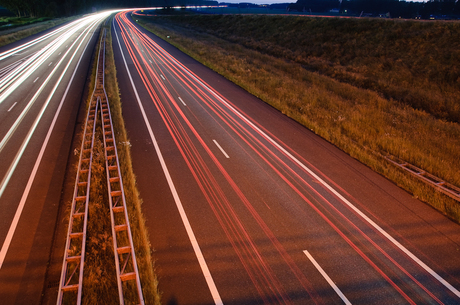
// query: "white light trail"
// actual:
[[26, 45], [4, 141], [17, 216], [31, 102], [21, 73]]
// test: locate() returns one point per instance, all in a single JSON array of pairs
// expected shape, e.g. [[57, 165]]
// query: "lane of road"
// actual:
[[41, 83], [248, 207]]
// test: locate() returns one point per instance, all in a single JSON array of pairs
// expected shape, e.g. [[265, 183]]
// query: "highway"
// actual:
[[42, 80], [245, 206]]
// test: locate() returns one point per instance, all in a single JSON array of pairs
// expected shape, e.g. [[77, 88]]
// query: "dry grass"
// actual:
[[100, 277], [415, 63], [360, 121], [100, 274]]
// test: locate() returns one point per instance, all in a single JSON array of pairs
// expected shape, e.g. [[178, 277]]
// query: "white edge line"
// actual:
[[17, 215], [204, 267], [327, 278], [221, 149], [359, 212]]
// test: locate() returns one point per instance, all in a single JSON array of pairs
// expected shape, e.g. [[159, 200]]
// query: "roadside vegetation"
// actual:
[[13, 28], [7, 22], [371, 87], [100, 274]]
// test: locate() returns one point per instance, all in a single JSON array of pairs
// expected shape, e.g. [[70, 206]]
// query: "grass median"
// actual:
[[355, 83], [100, 277]]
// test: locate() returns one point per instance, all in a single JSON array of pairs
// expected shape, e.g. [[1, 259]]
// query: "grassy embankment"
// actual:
[[100, 275], [367, 86], [24, 27]]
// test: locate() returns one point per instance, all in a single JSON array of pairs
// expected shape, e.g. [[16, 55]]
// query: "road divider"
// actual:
[[127, 273]]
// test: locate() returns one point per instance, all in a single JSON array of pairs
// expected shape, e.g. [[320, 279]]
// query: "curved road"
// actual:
[[41, 83], [245, 206]]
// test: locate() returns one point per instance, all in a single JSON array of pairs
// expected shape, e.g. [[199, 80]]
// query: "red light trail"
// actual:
[[309, 190]]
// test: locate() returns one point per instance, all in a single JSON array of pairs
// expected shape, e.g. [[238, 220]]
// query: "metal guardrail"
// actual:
[[125, 258], [443, 186]]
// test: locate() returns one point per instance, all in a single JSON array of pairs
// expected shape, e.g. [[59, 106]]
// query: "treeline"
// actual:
[[438, 9], [55, 8]]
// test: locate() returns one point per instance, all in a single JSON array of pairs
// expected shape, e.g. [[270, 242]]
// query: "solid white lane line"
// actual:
[[12, 106], [196, 247], [17, 215], [36, 79], [221, 149], [182, 101], [162, 77], [326, 185], [327, 278]]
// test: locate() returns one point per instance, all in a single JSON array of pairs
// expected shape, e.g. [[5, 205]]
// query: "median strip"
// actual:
[[118, 254]]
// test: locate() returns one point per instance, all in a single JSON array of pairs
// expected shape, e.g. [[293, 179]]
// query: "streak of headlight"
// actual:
[[23, 47], [4, 71], [38, 118], [14, 80], [20, 208], [34, 98]]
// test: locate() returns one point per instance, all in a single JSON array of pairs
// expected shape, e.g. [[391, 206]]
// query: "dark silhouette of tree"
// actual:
[[316, 6], [440, 9], [437, 9]]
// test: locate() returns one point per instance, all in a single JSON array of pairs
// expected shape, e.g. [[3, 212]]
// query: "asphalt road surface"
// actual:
[[245, 206], [41, 83]]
